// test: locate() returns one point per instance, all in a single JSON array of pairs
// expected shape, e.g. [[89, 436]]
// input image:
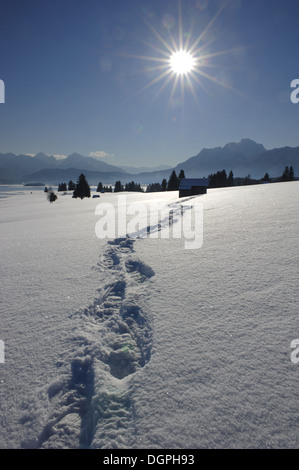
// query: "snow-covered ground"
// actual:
[[143, 343]]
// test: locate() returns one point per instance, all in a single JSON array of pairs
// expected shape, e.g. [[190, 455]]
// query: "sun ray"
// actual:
[[180, 25], [204, 47], [156, 68], [202, 85], [164, 85], [216, 54], [144, 57], [191, 87], [152, 82], [219, 82], [182, 91], [156, 48], [159, 37], [210, 24], [189, 35], [173, 90], [173, 42]]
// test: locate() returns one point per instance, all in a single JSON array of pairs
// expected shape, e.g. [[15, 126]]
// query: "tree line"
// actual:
[[63, 187], [216, 180], [82, 189], [172, 184], [288, 174], [220, 179], [118, 187]]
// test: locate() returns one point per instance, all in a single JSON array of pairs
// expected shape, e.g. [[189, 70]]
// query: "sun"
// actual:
[[181, 62]]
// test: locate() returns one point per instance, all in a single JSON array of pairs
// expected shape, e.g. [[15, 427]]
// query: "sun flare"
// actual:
[[181, 62]]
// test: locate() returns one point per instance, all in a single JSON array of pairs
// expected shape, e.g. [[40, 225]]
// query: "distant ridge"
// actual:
[[75, 160], [24, 168], [241, 157], [244, 158], [135, 171], [55, 176]]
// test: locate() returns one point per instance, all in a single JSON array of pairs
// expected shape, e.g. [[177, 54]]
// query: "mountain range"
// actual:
[[244, 158]]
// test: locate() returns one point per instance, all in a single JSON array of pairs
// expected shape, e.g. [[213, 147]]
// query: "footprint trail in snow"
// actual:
[[91, 403]]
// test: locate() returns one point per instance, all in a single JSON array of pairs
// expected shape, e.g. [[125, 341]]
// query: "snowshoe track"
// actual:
[[90, 404]]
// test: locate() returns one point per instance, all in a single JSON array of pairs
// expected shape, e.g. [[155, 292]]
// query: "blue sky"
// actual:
[[83, 76]]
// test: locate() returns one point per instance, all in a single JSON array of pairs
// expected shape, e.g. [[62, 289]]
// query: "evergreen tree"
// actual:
[[82, 189], [291, 174], [154, 187], [285, 175], [62, 187], [218, 180], [181, 175], [164, 185], [133, 187], [230, 179], [118, 187], [100, 187], [266, 177], [173, 182], [51, 196], [223, 178], [71, 186]]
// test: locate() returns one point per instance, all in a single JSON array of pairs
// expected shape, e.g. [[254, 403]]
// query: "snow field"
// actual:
[[226, 379], [144, 344]]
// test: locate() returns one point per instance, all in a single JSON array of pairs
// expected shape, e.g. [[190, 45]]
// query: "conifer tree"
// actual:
[[291, 174], [164, 185], [100, 187], [154, 187], [181, 175], [82, 189], [230, 179], [266, 177], [51, 196], [218, 180], [71, 186], [285, 175], [118, 187], [62, 187], [173, 182]]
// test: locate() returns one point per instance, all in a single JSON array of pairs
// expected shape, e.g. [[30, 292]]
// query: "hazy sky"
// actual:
[[92, 77]]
